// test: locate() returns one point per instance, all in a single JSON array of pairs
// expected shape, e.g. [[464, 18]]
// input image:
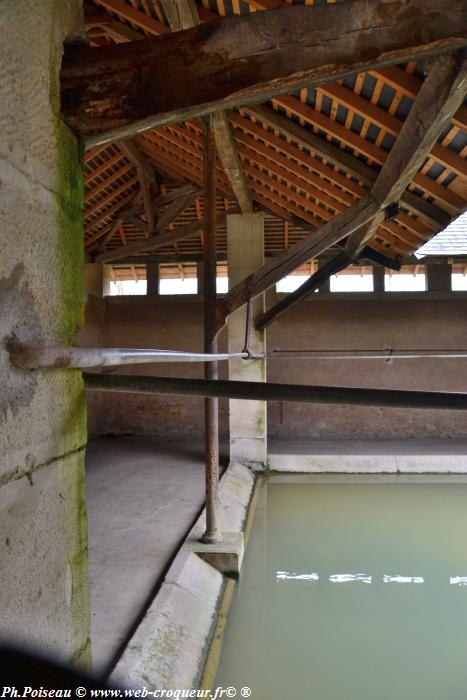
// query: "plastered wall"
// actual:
[[332, 322], [43, 534]]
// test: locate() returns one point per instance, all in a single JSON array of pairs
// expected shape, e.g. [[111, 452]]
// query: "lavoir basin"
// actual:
[[352, 588]]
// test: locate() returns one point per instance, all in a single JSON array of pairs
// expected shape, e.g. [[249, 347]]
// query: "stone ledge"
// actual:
[[370, 464], [170, 647]]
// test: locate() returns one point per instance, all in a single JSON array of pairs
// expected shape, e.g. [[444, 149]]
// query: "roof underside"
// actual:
[[297, 188]]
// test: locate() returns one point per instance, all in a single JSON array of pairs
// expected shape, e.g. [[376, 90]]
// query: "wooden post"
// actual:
[[212, 534], [152, 277]]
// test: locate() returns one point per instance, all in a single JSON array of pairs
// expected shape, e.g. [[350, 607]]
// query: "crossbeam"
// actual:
[[113, 92]]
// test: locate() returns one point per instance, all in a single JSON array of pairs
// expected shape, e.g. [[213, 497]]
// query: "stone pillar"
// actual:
[[43, 542], [245, 254], [438, 277], [97, 279]]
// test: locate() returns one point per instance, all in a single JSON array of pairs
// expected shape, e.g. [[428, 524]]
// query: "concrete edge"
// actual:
[[170, 647], [369, 464]]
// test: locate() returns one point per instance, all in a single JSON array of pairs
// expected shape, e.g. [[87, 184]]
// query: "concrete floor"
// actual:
[[143, 496]]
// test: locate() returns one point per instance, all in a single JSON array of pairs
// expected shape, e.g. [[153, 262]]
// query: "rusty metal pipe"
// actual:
[[259, 391], [212, 534]]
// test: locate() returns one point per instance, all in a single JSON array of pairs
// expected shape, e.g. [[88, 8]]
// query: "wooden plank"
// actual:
[[248, 58], [366, 148]]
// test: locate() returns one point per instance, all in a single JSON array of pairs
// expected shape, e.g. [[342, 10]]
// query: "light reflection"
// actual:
[[402, 579], [287, 576], [458, 580], [347, 578]]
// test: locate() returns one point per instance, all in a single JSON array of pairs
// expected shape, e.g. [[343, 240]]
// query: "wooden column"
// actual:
[[211, 405], [378, 278], [152, 277]]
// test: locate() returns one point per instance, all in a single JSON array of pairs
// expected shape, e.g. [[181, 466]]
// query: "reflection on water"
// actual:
[[363, 578], [394, 628], [348, 578], [286, 576], [402, 579]]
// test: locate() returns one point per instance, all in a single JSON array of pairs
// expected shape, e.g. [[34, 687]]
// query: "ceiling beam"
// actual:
[[183, 14], [246, 58], [147, 180], [228, 156]]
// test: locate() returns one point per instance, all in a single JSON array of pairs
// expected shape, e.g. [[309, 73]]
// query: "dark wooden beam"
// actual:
[[147, 180], [228, 156], [336, 264], [310, 247], [114, 92], [174, 209], [180, 233]]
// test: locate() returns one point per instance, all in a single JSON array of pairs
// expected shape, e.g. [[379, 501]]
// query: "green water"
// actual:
[[379, 637]]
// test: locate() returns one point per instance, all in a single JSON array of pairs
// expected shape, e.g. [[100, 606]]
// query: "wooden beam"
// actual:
[[227, 152], [146, 177], [181, 14], [175, 208], [310, 247], [336, 264], [440, 96], [180, 233], [248, 58]]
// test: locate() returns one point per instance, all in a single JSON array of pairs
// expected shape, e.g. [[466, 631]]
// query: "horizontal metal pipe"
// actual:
[[55, 356], [258, 391], [365, 354]]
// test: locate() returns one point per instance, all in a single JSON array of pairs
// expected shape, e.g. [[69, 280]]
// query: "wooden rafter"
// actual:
[[247, 58], [159, 241], [440, 96]]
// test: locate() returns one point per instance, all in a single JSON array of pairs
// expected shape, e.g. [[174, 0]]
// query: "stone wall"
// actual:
[[330, 322], [43, 541]]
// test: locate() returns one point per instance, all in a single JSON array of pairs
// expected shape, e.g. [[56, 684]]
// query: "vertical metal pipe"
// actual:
[[211, 405]]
